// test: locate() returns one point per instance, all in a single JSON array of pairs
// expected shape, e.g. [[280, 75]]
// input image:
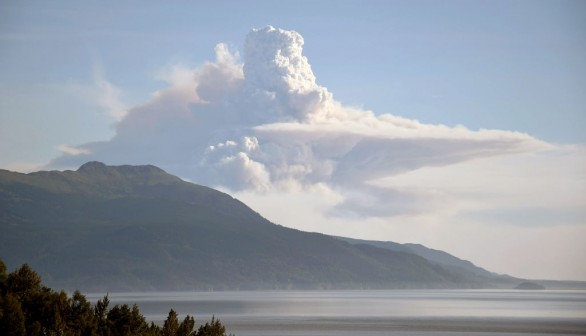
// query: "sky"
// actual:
[[454, 124]]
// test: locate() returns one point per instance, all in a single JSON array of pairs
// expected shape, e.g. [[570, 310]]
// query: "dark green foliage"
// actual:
[[213, 328], [186, 327], [11, 316], [171, 324], [29, 308], [101, 315], [81, 316], [124, 321], [24, 282], [3, 275]]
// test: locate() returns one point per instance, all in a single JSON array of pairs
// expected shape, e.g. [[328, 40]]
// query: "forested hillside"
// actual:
[[107, 228]]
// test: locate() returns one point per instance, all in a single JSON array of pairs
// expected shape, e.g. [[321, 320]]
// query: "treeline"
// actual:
[[29, 308]]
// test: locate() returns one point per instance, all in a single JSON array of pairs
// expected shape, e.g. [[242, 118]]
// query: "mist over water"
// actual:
[[404, 312]]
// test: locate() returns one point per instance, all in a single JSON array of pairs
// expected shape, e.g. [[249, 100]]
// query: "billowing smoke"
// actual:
[[275, 69], [267, 125]]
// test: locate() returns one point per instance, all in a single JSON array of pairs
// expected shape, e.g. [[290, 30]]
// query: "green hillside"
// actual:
[[112, 228]]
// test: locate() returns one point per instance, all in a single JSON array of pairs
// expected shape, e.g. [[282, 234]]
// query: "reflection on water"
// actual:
[[405, 312]]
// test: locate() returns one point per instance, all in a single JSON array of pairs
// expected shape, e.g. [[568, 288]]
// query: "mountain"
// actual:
[[115, 228], [464, 268]]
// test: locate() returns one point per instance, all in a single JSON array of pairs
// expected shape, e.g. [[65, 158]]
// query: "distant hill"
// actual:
[[447, 261], [528, 285], [114, 228]]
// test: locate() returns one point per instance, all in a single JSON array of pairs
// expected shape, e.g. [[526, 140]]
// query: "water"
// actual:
[[401, 313]]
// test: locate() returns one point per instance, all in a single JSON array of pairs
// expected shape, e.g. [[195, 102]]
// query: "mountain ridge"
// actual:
[[440, 258], [138, 228]]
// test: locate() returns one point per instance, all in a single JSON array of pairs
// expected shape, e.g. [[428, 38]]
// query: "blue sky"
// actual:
[[515, 65], [73, 74]]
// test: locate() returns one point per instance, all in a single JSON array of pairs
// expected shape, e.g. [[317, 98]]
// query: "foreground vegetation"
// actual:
[[29, 308]]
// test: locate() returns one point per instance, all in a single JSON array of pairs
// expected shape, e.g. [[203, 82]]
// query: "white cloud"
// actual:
[[264, 128], [220, 78], [230, 161], [108, 96], [287, 131], [72, 150]]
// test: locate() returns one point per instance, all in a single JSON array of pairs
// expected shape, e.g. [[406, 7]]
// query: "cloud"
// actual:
[[108, 96], [266, 125], [276, 70], [263, 129], [230, 161], [72, 150], [100, 92]]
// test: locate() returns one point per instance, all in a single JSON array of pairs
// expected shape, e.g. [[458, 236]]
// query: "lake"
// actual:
[[377, 312]]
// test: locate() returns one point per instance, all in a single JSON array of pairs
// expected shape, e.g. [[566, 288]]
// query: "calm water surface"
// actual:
[[401, 312]]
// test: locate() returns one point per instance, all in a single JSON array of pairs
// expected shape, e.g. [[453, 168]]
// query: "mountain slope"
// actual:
[[139, 228], [464, 268]]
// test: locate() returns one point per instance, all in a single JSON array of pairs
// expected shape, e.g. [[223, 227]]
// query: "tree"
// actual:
[[123, 321], [11, 316], [172, 327], [213, 328], [138, 324], [23, 282], [46, 312], [3, 277], [171, 324], [29, 308], [81, 316], [186, 327], [100, 316]]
